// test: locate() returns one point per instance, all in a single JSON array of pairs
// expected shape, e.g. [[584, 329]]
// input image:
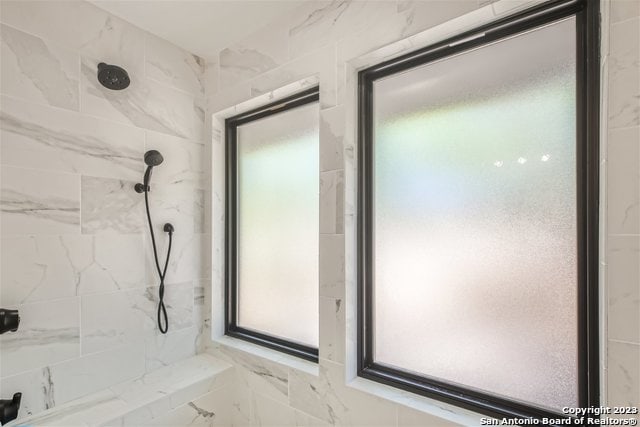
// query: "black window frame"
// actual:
[[232, 328], [587, 16]]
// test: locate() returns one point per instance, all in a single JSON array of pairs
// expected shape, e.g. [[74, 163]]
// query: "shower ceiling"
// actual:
[[202, 27]]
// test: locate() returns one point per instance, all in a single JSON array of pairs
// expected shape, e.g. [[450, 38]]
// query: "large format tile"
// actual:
[[168, 64], [263, 51], [332, 327], [623, 374], [144, 104], [80, 26], [623, 181], [88, 374], [49, 333], [319, 23], [420, 15], [624, 67], [623, 283], [46, 138], [188, 257], [331, 136], [39, 71], [332, 202], [165, 349], [39, 202], [111, 205], [44, 268]]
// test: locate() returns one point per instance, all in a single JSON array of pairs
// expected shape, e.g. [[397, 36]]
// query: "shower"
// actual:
[[153, 158]]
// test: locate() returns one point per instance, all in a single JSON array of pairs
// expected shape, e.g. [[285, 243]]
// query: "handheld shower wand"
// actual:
[[154, 158]]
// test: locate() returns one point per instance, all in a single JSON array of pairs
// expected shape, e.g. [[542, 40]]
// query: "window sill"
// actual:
[[256, 350], [419, 403]]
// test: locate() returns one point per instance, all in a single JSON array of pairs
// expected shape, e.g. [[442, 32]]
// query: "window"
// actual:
[[272, 225], [478, 216]]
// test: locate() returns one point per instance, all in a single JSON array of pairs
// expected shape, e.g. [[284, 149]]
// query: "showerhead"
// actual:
[[113, 77], [153, 158]]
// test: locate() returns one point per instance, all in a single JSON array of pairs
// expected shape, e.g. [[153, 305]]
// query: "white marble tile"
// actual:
[[331, 137], [41, 268], [320, 23], [621, 10], [420, 15], [39, 71], [332, 326], [44, 268], [409, 417], [168, 64], [262, 51], [177, 204], [258, 374], [145, 104], [305, 71], [79, 412], [623, 374], [623, 283], [116, 318], [39, 202], [211, 409], [40, 137], [624, 68], [120, 317], [188, 258], [332, 202], [111, 205], [175, 384], [183, 160], [88, 374], [268, 412], [49, 332], [93, 31], [327, 398], [623, 181]]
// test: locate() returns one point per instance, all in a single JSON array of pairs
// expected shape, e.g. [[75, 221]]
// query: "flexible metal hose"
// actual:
[[162, 310]]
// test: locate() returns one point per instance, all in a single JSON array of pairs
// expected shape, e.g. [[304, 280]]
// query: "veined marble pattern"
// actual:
[[331, 134], [188, 258], [170, 65], [332, 202], [116, 318], [49, 333], [420, 15], [144, 103], [41, 202], [623, 283], [623, 373], [44, 268], [319, 23], [623, 175], [38, 71], [332, 326], [165, 349], [183, 160], [624, 67], [263, 51], [110, 205], [40, 137], [79, 26], [174, 203]]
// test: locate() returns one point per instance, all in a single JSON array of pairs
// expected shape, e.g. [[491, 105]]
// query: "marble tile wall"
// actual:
[[622, 243], [324, 40], [74, 250]]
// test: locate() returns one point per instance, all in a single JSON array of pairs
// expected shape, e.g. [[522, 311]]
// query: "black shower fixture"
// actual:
[[153, 158], [113, 77], [9, 320]]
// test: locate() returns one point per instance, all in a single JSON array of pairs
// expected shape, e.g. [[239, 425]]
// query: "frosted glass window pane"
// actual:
[[277, 187], [475, 252]]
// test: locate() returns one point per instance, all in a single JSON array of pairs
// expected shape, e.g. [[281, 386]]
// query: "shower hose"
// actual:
[[162, 310]]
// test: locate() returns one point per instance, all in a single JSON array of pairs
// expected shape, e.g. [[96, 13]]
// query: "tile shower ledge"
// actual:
[[148, 396]]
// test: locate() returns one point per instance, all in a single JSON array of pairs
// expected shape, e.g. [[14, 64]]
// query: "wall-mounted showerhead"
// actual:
[[153, 158], [113, 77]]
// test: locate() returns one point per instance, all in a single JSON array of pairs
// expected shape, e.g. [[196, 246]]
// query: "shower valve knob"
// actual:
[[9, 408], [9, 320]]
